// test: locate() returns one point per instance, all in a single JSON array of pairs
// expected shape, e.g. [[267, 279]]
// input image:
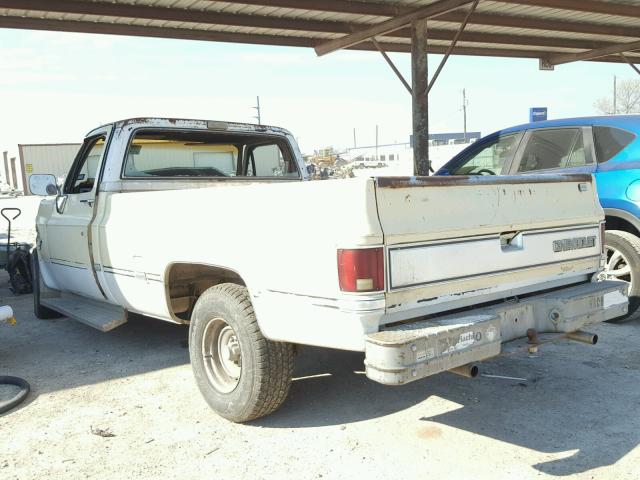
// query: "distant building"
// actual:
[[386, 154], [451, 138], [52, 158], [399, 156]]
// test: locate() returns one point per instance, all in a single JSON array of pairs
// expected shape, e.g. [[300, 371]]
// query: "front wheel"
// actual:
[[241, 374], [623, 263]]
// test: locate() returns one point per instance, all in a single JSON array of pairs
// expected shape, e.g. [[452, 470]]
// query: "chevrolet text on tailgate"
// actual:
[[208, 224]]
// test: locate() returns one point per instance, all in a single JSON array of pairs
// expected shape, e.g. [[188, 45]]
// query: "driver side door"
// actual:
[[68, 229]]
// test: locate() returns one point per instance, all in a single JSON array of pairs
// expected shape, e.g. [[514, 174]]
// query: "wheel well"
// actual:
[[617, 223], [187, 281]]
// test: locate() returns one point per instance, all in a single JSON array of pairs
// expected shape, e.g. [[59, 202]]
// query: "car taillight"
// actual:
[[361, 269], [602, 234]]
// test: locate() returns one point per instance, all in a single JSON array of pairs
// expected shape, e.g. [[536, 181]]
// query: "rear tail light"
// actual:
[[602, 234], [361, 269]]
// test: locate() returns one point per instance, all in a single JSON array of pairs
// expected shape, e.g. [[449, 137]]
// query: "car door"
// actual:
[[555, 150], [67, 231]]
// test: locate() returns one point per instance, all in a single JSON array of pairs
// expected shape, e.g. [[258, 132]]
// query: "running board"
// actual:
[[99, 315]]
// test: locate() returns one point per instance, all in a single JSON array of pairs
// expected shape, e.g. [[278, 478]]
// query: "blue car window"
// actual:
[[554, 148], [578, 157], [490, 159], [610, 141]]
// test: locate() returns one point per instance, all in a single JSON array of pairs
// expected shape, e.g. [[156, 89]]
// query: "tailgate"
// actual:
[[450, 240]]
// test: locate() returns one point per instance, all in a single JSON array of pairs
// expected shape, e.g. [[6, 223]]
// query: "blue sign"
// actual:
[[537, 114]]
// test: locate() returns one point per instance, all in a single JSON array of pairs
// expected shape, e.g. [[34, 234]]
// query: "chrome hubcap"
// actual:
[[617, 266], [222, 355]]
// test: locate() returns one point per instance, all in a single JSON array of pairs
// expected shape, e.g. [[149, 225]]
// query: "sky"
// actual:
[[54, 87]]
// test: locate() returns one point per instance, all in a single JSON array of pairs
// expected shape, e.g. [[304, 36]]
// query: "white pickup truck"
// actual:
[[213, 224]]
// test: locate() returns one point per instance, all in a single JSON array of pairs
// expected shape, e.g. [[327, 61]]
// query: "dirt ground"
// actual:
[[575, 414]]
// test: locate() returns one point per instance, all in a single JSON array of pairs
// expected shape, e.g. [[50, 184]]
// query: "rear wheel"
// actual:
[[39, 310], [241, 374], [623, 263]]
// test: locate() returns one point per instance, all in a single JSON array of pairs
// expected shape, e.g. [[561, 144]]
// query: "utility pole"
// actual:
[[257, 107], [354, 139], [615, 95], [376, 143], [464, 112]]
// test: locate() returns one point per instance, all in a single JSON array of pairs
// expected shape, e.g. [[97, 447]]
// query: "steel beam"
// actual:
[[391, 64], [420, 97], [454, 42], [489, 19], [155, 32], [31, 23], [392, 10], [393, 24], [631, 64], [102, 8], [336, 6], [593, 54], [322, 26], [548, 25], [590, 6]]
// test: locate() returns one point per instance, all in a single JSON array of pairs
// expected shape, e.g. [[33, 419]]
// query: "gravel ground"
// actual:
[[575, 415]]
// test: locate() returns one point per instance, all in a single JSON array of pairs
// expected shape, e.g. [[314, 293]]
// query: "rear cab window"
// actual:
[[180, 154], [609, 141]]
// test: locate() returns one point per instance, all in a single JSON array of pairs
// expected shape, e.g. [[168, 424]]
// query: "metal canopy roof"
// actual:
[[557, 31]]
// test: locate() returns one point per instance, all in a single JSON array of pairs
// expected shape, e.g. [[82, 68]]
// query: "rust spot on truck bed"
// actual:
[[473, 180]]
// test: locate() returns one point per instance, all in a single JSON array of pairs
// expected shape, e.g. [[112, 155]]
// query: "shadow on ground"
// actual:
[[572, 402], [577, 399], [61, 353]]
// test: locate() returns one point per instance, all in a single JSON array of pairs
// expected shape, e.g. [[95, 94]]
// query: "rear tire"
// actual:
[[39, 310], [241, 374], [623, 263]]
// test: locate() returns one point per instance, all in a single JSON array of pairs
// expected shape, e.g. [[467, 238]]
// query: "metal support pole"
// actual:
[[464, 112], [257, 107], [419, 97], [355, 145]]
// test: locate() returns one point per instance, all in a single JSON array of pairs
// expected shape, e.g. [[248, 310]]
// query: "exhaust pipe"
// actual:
[[470, 370], [583, 337]]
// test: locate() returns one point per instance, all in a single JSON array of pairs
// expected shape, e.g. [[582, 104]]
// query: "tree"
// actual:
[[627, 99]]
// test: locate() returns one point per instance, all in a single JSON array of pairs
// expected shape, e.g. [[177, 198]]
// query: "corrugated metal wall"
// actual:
[[53, 159]]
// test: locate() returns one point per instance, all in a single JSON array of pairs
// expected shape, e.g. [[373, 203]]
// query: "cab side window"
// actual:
[[269, 161], [85, 169], [490, 159], [554, 149]]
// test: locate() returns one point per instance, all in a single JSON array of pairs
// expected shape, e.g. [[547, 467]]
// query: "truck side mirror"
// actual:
[[43, 185]]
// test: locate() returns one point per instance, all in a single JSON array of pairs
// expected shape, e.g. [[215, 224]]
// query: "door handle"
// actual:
[[88, 201]]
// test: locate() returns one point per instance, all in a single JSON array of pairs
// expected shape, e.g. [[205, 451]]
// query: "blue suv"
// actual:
[[607, 147]]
